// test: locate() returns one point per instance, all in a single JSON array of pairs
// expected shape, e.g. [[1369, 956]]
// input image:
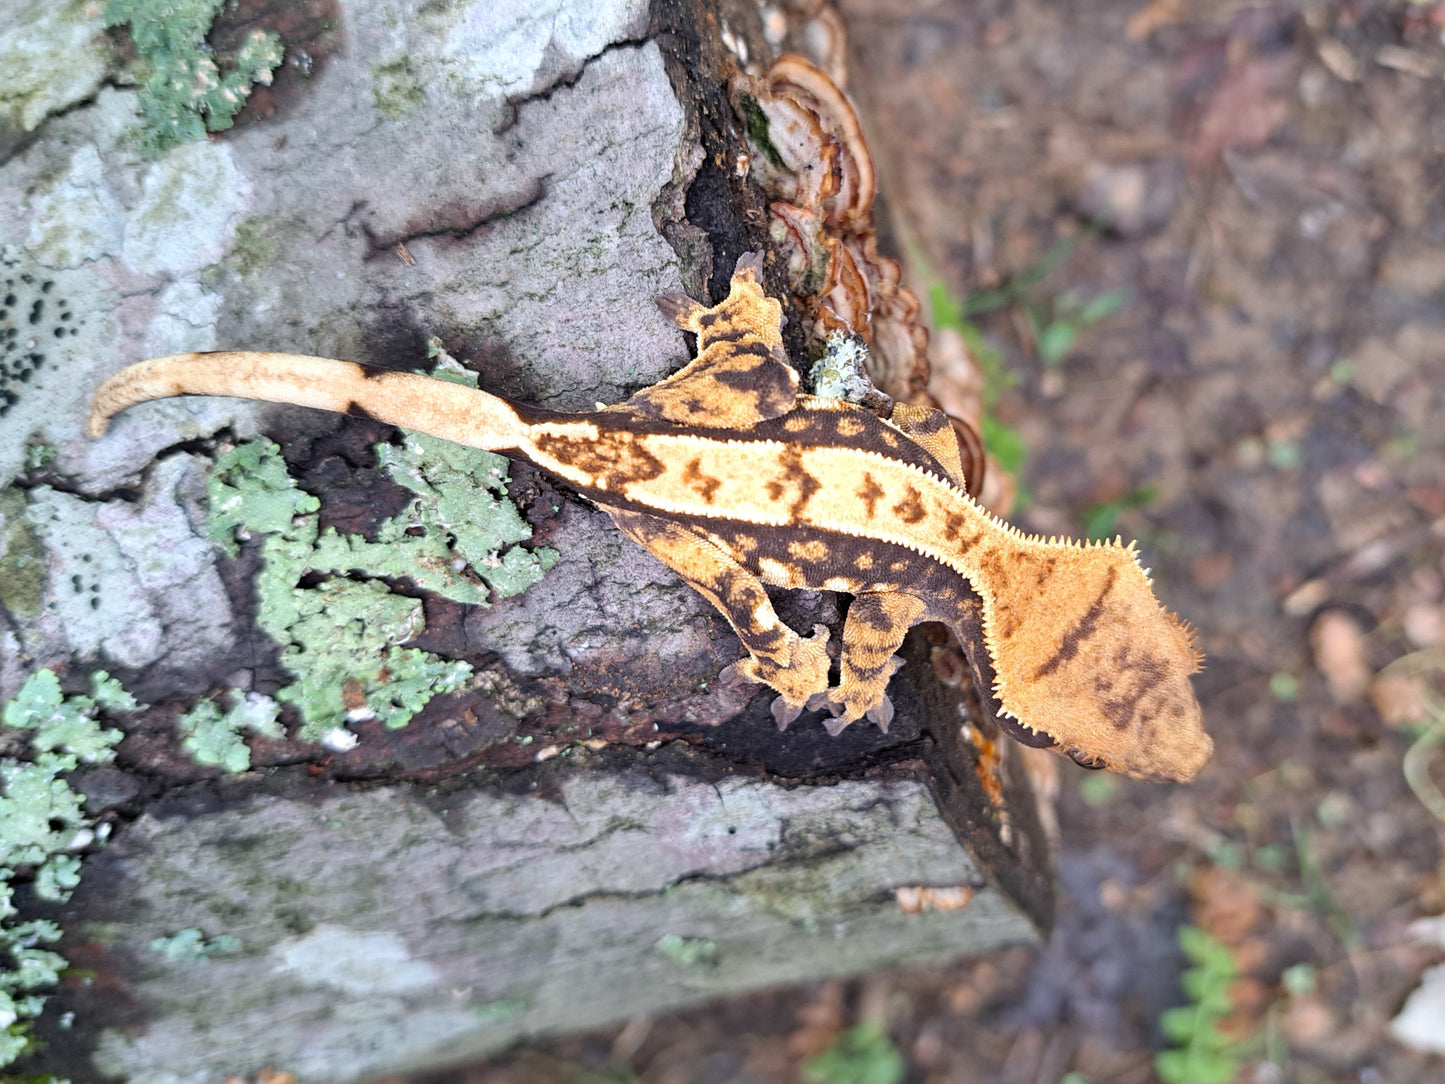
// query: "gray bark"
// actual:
[[548, 182]]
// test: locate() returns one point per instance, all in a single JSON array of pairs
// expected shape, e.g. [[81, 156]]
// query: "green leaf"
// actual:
[[1056, 341], [1207, 989], [1004, 443], [1214, 1067], [1106, 304], [1102, 521], [985, 301], [1172, 1066], [862, 1055], [1208, 951], [1179, 1023]]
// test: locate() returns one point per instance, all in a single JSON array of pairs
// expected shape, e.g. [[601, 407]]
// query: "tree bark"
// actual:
[[593, 828]]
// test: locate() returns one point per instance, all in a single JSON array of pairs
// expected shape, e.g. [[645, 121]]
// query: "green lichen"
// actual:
[[183, 92], [192, 946], [496, 1012], [691, 952], [39, 454], [41, 821], [213, 737], [24, 566], [396, 92], [252, 249], [341, 638], [758, 127]]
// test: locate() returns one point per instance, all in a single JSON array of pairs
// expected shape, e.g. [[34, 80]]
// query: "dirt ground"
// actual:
[[1265, 411]]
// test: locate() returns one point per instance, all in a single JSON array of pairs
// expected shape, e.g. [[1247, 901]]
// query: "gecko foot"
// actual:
[[880, 713], [855, 699], [804, 673]]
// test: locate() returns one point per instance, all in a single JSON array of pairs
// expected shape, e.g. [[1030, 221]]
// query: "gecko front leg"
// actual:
[[795, 666]]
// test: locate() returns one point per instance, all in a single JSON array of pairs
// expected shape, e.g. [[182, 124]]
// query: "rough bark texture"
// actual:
[[522, 186]]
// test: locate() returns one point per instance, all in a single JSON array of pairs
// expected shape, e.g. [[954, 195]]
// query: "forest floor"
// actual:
[[1205, 245]]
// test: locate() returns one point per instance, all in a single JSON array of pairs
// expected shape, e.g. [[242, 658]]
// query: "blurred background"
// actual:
[[1199, 252]]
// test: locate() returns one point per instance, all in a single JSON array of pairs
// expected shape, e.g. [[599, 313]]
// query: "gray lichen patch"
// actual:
[[186, 315], [77, 218], [191, 201], [600, 149], [59, 332], [134, 585], [103, 265], [358, 963], [45, 329], [53, 55]]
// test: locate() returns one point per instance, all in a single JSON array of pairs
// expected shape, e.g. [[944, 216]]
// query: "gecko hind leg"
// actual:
[[795, 666], [877, 623]]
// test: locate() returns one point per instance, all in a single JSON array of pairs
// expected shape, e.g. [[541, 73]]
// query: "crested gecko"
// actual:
[[734, 479]]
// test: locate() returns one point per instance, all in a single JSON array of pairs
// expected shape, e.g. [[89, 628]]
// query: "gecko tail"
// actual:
[[438, 408]]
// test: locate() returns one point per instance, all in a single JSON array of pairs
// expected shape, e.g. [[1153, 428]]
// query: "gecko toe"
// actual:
[[750, 263], [732, 675], [784, 713], [881, 713], [835, 726], [678, 308]]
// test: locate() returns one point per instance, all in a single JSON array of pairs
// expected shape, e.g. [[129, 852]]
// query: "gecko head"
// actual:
[[1084, 653]]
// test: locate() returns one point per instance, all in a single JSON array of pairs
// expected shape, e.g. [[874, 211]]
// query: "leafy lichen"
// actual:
[[213, 737], [184, 93], [692, 952], [190, 945], [341, 638], [41, 823]]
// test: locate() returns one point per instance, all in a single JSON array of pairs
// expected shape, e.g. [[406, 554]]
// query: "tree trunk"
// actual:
[[591, 827]]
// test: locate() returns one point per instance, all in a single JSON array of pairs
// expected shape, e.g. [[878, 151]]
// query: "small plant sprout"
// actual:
[[862, 1055], [1200, 1053]]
